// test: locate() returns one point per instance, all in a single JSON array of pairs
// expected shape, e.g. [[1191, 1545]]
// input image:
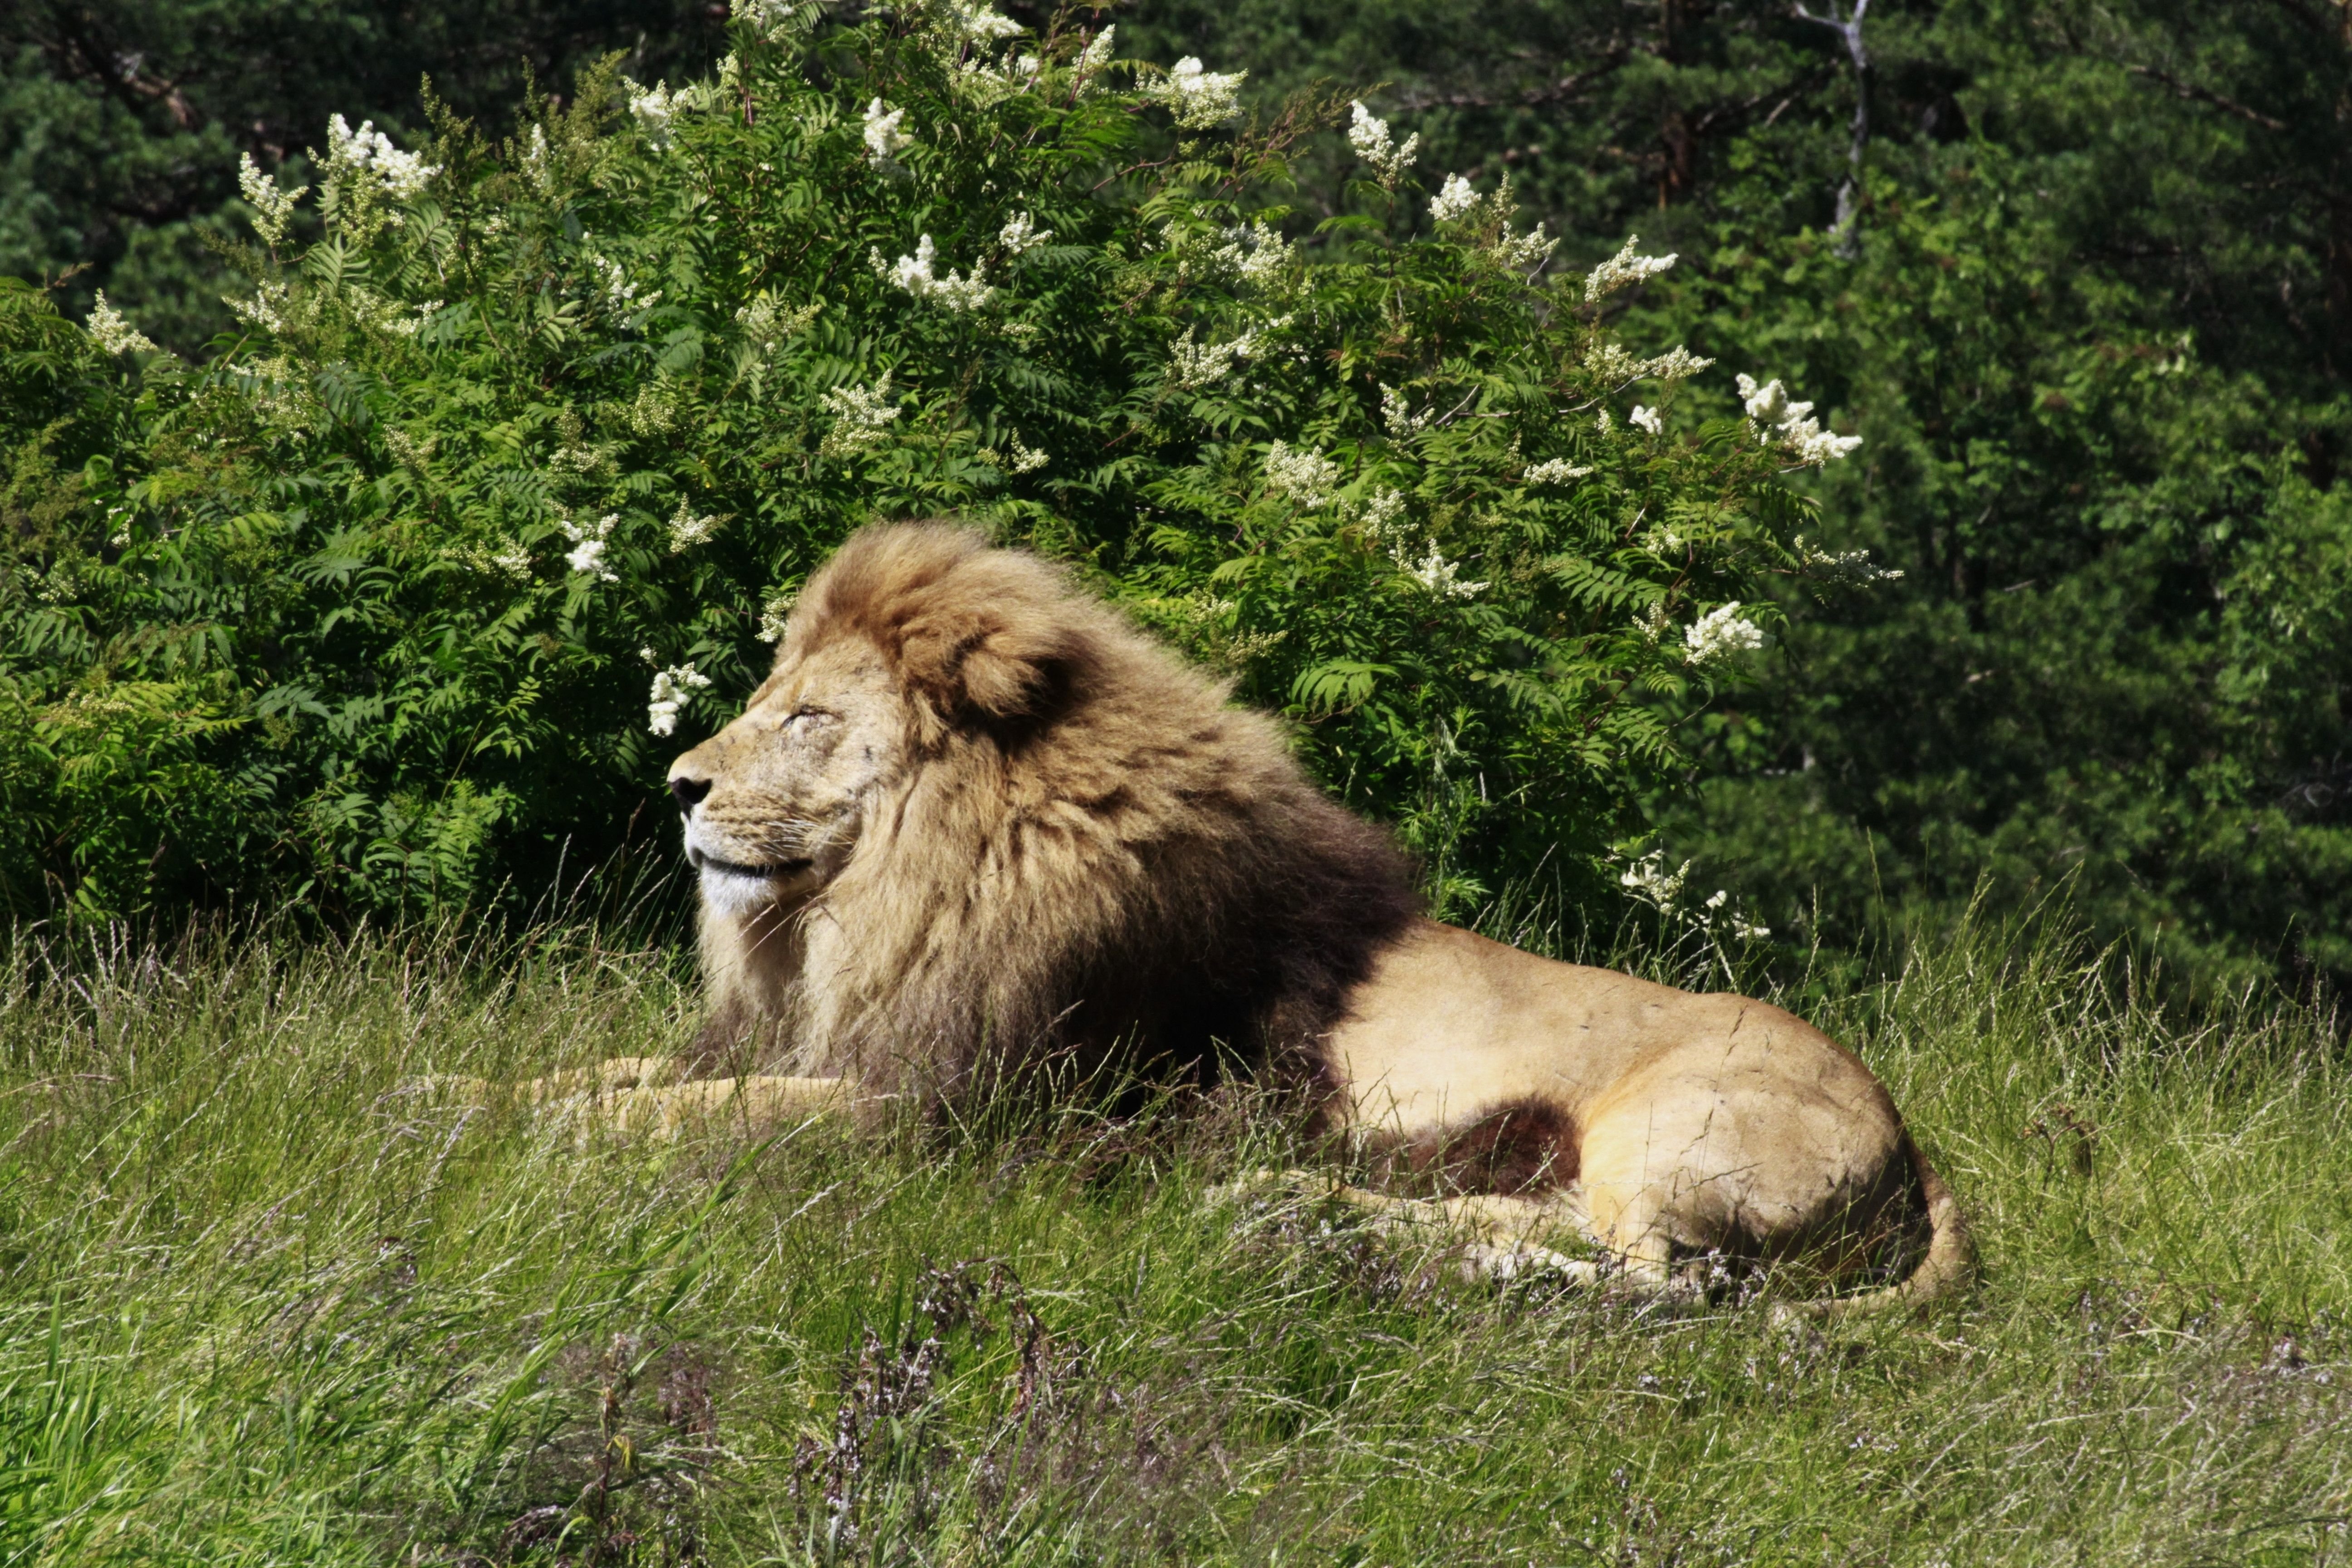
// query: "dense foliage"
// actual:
[[2080, 280], [501, 495], [2084, 285]]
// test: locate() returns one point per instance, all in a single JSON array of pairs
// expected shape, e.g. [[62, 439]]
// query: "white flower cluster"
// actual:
[[985, 83], [1556, 471], [1300, 475], [1192, 365], [1792, 423], [1085, 70], [1720, 633], [1648, 419], [1382, 512], [273, 209], [1021, 233], [367, 151], [773, 615], [538, 163], [1677, 364], [1521, 251], [687, 530], [114, 334], [973, 22], [1397, 414], [957, 292], [1648, 880], [655, 107], [883, 140], [1846, 565], [772, 19], [672, 688], [1199, 100], [588, 544], [861, 417], [1026, 459], [612, 283], [1622, 270], [1453, 201], [266, 309], [1441, 577], [1252, 253], [1369, 138]]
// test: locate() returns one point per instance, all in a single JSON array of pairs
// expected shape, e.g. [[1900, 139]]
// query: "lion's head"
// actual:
[[973, 810]]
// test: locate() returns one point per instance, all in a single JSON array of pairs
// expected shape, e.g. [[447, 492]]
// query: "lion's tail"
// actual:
[[1948, 1268]]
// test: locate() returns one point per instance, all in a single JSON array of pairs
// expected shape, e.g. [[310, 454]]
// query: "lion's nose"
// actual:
[[688, 792]]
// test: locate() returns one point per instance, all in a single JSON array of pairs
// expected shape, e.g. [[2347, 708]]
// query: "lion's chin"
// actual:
[[735, 887]]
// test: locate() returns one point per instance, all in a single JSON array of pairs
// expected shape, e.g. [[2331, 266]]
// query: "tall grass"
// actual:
[[265, 1300]]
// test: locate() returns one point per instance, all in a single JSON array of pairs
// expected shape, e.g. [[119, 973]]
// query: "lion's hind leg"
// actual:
[[1494, 1236]]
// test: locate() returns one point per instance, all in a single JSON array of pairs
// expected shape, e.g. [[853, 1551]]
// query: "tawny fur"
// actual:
[[1092, 851], [974, 820]]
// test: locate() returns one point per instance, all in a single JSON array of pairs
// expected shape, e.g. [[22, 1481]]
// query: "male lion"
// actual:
[[973, 816]]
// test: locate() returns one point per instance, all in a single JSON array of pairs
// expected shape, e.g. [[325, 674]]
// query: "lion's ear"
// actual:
[[988, 667]]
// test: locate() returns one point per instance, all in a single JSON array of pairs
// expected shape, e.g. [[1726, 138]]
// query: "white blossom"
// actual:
[[1454, 199], [536, 163], [672, 688], [774, 615], [587, 554], [514, 561], [861, 415], [1300, 475], [1525, 250], [612, 282], [1604, 423], [1556, 471], [1746, 929], [273, 209], [1647, 418], [1623, 268], [1192, 365], [653, 108], [114, 334], [367, 151], [1369, 137], [957, 292], [1199, 100], [1649, 878], [687, 530], [1719, 633], [1679, 364], [1021, 233], [1027, 459], [1397, 414], [266, 309], [765, 325], [1440, 576], [883, 140], [1776, 418], [1382, 511], [1847, 565], [1650, 624], [970, 21], [770, 19]]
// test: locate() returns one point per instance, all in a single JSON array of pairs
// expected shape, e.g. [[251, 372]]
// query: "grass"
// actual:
[[264, 1301]]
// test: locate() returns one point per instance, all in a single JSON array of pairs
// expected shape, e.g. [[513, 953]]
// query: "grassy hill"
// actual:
[[265, 1301]]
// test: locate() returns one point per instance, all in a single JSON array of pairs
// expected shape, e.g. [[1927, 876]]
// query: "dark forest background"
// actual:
[[2080, 275]]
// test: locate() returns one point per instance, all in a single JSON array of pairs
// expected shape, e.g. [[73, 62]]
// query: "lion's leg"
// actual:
[[1505, 1235], [754, 1104]]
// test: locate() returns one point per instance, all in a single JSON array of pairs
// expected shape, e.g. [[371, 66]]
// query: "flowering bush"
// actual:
[[502, 496]]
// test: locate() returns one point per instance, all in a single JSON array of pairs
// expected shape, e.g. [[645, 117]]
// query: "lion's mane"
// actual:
[[1092, 854]]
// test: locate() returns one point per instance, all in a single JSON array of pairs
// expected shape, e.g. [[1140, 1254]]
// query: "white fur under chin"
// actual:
[[730, 892]]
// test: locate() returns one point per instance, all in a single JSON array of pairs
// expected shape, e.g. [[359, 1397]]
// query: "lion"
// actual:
[[974, 820]]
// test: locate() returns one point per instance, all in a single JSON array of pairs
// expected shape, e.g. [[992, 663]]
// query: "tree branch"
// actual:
[[2196, 94]]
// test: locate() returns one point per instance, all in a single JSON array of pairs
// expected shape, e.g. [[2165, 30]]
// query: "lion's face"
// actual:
[[775, 801]]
